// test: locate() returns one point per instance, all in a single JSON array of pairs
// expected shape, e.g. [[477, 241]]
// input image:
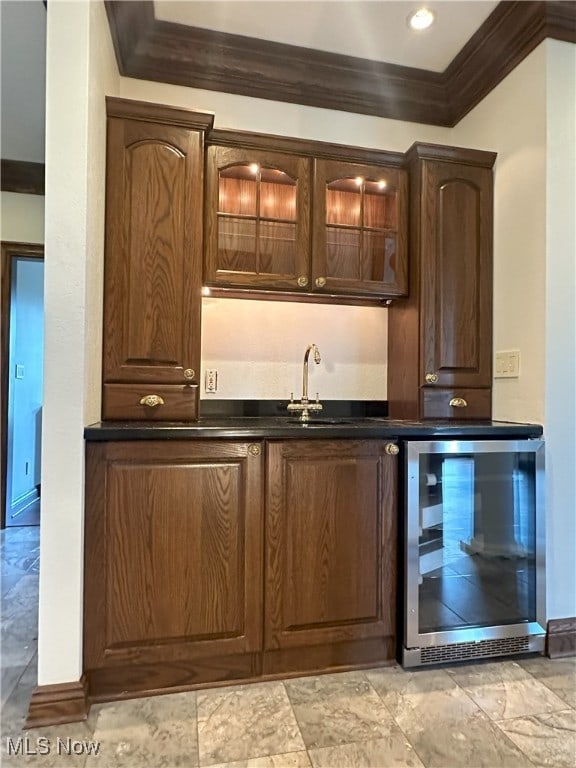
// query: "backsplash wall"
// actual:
[[258, 347]]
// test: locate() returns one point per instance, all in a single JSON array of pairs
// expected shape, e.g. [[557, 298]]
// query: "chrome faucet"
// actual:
[[304, 405]]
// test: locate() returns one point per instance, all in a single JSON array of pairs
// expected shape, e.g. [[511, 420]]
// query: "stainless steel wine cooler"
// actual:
[[474, 550]]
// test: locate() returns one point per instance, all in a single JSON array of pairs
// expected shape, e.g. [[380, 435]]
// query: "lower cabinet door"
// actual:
[[173, 555], [330, 543]]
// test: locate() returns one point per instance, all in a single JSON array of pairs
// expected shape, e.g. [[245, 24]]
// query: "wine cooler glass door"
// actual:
[[475, 541]]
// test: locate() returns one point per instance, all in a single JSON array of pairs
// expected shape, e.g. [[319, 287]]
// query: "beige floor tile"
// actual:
[[15, 708], [338, 709], [155, 732], [557, 674], [548, 739], [474, 742], [242, 722], [9, 677], [287, 760], [393, 751], [53, 747], [506, 690], [423, 698]]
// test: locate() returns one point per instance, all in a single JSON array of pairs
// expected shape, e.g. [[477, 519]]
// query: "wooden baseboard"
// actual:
[[58, 704], [561, 638]]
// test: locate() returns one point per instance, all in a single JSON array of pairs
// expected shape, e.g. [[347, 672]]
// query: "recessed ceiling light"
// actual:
[[420, 19]]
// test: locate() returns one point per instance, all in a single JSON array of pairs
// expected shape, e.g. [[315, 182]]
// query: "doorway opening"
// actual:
[[22, 343]]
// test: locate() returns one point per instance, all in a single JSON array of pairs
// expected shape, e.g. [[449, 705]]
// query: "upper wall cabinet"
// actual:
[[257, 231], [360, 229], [440, 338], [153, 261], [297, 223]]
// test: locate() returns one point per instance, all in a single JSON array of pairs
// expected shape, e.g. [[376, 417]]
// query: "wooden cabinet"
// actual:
[[257, 224], [185, 584], [173, 563], [153, 261], [360, 229], [440, 339], [305, 225], [330, 553]]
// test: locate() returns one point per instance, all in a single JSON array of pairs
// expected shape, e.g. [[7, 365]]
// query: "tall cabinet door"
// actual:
[[456, 275], [330, 512], [153, 272], [440, 337]]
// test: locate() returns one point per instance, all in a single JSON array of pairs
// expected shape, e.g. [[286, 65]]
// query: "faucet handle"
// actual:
[[291, 397]]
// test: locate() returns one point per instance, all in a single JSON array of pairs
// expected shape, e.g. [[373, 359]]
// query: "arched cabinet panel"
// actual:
[[153, 262]]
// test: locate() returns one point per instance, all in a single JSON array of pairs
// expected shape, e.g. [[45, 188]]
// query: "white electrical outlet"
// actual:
[[507, 364], [211, 381]]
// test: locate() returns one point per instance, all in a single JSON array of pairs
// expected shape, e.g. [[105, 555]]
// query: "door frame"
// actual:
[[9, 252]]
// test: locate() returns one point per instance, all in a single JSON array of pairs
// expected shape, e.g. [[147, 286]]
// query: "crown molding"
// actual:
[[166, 52], [25, 178]]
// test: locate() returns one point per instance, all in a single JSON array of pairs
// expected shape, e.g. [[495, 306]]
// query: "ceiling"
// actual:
[[373, 32], [370, 29]]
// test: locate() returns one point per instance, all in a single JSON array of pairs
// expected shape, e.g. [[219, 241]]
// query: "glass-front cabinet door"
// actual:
[[257, 209], [474, 541], [360, 226]]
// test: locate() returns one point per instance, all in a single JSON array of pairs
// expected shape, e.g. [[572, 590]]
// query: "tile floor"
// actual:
[[494, 714]]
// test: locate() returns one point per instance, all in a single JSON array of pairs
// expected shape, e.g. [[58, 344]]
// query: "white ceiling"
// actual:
[[371, 29]]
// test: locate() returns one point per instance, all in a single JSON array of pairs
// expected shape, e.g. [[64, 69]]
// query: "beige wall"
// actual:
[[512, 121], [21, 218], [81, 69]]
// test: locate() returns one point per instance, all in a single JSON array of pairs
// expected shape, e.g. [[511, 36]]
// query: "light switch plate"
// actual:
[[507, 364]]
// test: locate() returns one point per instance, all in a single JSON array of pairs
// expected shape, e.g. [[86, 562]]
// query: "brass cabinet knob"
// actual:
[[431, 378], [152, 401], [391, 449], [302, 281], [254, 449], [189, 373], [320, 282], [458, 402]]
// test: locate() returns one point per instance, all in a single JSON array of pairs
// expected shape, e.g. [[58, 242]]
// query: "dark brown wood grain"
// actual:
[[435, 403], [23, 177], [509, 34], [252, 254], [132, 679], [58, 704], [217, 61], [330, 569], [173, 570], [328, 657], [456, 264], [122, 402], [349, 252], [147, 111], [445, 326], [153, 257], [150, 49], [291, 145], [561, 638]]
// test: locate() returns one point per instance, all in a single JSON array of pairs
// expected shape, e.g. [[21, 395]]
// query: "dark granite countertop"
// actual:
[[272, 427]]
